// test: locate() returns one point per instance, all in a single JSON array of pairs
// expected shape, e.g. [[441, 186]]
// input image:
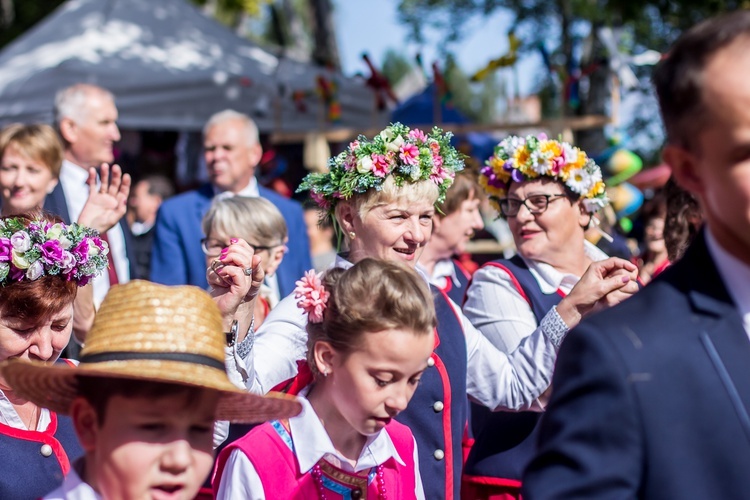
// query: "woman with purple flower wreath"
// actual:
[[42, 264], [381, 196], [30, 160], [549, 192]]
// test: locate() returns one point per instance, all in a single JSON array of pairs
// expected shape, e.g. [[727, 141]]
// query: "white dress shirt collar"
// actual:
[[139, 228], [550, 279], [250, 191], [311, 443], [73, 487], [736, 277], [443, 271]]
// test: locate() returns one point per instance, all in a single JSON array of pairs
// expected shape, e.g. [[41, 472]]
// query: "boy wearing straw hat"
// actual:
[[150, 384]]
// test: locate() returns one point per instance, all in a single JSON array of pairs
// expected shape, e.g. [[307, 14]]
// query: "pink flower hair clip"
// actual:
[[312, 296]]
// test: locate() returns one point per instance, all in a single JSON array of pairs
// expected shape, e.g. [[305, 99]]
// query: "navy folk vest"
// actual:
[[506, 441], [436, 414], [26, 472]]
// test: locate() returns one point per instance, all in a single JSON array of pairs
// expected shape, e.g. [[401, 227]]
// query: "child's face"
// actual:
[[150, 448], [373, 383]]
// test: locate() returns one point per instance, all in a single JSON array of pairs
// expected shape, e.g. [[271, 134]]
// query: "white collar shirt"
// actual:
[[73, 487], [311, 443], [496, 379], [443, 271], [250, 191], [736, 277], [495, 308], [550, 279], [139, 228], [73, 180]]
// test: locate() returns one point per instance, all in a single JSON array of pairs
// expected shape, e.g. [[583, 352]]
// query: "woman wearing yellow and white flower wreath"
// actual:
[[549, 192]]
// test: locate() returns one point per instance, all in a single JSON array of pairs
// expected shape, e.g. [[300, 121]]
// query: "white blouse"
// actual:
[[9, 416], [495, 308], [73, 487], [311, 443], [495, 379]]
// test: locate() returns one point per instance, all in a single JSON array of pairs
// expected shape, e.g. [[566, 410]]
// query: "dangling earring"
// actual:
[[352, 235], [325, 374]]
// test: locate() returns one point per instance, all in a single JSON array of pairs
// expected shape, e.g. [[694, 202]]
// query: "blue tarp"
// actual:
[[418, 110]]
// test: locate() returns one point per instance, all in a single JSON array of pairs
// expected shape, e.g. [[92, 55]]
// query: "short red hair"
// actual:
[[36, 300]]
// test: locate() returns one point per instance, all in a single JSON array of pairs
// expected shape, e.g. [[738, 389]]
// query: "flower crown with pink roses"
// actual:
[[407, 155], [40, 248]]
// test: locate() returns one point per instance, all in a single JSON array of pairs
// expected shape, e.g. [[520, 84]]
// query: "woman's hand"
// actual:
[[235, 278], [106, 204], [604, 284]]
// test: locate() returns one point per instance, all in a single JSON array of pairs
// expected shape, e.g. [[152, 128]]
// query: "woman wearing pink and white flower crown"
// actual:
[[549, 192], [42, 264], [365, 359], [381, 195]]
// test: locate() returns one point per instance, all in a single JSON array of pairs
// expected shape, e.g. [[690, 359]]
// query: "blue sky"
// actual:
[[372, 26]]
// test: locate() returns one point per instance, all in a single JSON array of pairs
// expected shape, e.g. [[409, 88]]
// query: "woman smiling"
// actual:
[[381, 194], [549, 192]]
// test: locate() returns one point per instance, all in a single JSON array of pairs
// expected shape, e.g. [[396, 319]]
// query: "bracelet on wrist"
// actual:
[[245, 346]]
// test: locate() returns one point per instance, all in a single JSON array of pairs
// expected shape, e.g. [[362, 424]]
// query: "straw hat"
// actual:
[[158, 333]]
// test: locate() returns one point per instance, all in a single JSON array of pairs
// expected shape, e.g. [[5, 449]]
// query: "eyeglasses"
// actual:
[[213, 248], [536, 203]]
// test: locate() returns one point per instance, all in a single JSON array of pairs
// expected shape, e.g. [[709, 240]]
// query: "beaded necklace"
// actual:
[[317, 475]]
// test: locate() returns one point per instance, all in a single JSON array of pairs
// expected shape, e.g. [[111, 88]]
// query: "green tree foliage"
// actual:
[[17, 16], [395, 66], [565, 27]]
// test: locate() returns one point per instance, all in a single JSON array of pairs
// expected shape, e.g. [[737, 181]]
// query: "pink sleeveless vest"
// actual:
[[270, 450]]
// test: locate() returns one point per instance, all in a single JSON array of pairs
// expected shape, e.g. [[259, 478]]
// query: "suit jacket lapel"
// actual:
[[721, 329], [56, 204]]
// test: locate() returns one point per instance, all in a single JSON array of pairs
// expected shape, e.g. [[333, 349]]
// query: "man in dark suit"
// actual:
[[86, 118], [650, 398], [145, 199], [232, 151]]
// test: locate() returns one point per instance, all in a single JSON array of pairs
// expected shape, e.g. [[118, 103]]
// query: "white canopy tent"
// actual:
[[170, 68]]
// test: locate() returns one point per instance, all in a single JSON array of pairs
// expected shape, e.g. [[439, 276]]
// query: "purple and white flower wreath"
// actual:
[[39, 248]]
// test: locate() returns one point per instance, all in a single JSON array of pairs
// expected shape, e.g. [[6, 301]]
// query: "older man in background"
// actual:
[[231, 151], [86, 118]]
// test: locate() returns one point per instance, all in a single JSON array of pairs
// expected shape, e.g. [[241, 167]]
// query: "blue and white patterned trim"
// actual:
[[553, 327]]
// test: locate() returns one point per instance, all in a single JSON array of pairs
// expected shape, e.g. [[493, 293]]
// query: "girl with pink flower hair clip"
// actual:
[[370, 335]]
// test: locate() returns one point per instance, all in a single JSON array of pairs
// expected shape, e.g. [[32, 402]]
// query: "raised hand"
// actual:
[[604, 284], [107, 203], [235, 279]]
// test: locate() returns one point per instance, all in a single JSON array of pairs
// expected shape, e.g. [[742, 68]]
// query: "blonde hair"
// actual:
[[371, 296], [38, 142], [411, 192], [256, 220]]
